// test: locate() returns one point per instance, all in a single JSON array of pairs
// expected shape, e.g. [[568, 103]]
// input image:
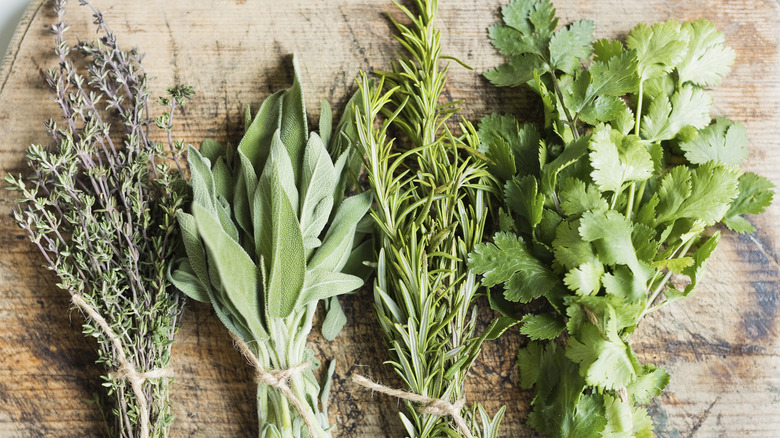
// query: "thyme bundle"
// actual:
[[270, 235], [430, 213], [102, 214]]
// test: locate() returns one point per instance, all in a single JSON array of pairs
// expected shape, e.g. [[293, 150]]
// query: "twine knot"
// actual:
[[126, 370], [430, 406], [278, 379]]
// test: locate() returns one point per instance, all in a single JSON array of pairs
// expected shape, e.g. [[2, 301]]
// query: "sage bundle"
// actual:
[[100, 205], [430, 212], [269, 236]]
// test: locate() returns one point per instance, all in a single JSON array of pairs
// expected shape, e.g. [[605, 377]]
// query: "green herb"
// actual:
[[100, 206], [608, 206], [430, 212], [269, 236]]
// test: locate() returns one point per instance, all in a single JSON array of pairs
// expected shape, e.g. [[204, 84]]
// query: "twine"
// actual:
[[278, 379], [126, 370], [430, 406]]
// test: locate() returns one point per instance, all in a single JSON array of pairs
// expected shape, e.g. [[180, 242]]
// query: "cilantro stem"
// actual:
[[639, 196], [683, 249], [630, 204], [566, 112], [639, 108]]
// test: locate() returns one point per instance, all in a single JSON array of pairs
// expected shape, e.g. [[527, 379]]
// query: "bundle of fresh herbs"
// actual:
[[270, 235], [430, 212], [609, 206], [100, 205]]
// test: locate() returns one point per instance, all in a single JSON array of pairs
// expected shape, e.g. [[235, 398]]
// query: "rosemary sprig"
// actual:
[[430, 212], [104, 222]]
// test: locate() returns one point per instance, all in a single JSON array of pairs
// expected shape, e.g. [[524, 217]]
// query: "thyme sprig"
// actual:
[[102, 214], [430, 212]]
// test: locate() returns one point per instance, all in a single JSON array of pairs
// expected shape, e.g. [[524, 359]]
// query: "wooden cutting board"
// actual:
[[721, 347]]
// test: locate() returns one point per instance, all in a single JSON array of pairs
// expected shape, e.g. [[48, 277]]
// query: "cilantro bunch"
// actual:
[[608, 205]]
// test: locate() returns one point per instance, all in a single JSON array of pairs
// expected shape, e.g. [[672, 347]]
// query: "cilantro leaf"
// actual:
[[617, 159], [560, 407], [610, 233], [570, 249], [723, 141], [605, 49], [649, 384], [577, 197], [507, 260], [585, 279], [689, 106], [707, 59], [755, 194], [706, 193], [518, 71], [571, 45], [522, 197], [511, 147], [603, 362], [543, 326], [616, 77], [659, 47]]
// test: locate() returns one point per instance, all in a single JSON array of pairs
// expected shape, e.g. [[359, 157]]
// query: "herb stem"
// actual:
[[569, 118], [640, 98]]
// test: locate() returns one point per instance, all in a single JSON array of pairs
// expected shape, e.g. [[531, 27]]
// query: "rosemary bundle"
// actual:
[[270, 235], [430, 213], [100, 206]]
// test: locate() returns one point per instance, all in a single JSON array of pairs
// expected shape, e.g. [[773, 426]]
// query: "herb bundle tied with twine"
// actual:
[[100, 205]]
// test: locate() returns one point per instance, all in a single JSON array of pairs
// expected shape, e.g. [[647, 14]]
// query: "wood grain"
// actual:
[[722, 347]]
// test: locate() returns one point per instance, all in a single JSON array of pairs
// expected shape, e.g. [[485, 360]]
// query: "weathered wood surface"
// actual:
[[721, 347]]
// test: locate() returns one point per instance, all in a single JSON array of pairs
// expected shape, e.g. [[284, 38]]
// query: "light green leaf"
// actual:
[[570, 249], [326, 121], [610, 233], [293, 128], [723, 141], [255, 145], [606, 49], [570, 46], [576, 197], [650, 383], [660, 47], [616, 77], [317, 180], [320, 285], [706, 59], [287, 261], [184, 279], [335, 319], [517, 71], [573, 152], [755, 194], [689, 106], [603, 363], [238, 274], [522, 197], [618, 159], [713, 187], [585, 279], [336, 246]]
